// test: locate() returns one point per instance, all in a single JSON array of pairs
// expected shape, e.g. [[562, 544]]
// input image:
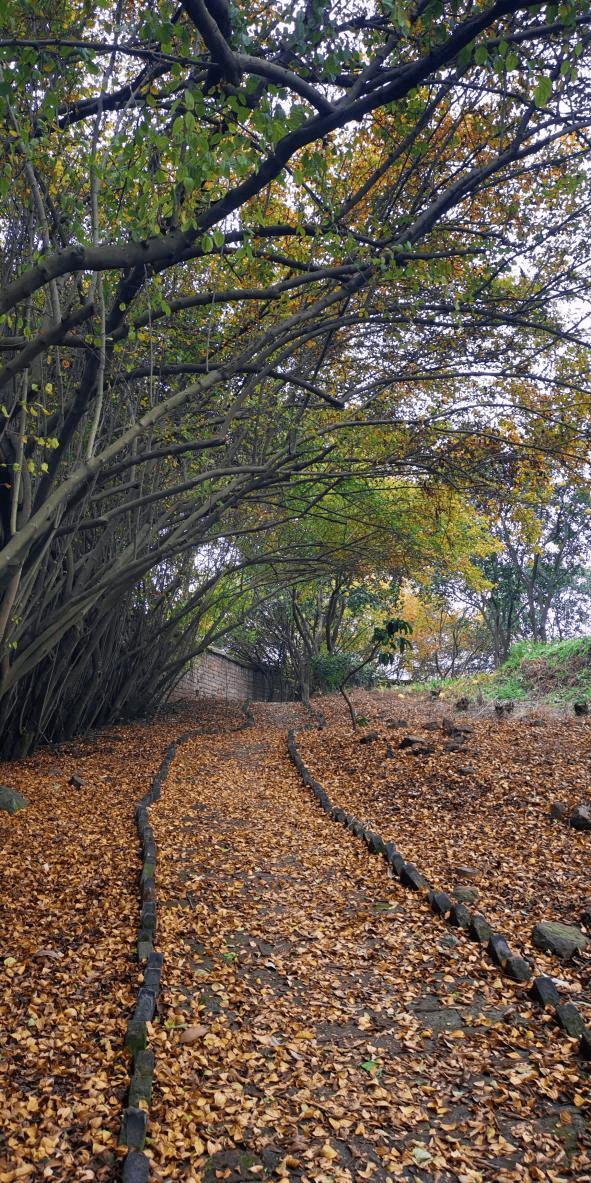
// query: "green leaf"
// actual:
[[543, 92]]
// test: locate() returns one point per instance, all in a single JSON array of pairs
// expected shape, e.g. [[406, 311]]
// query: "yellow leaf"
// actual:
[[328, 1152], [305, 1033]]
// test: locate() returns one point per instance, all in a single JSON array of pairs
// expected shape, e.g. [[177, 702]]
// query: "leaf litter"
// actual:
[[316, 1022]]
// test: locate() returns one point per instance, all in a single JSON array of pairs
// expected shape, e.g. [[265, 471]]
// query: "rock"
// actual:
[[410, 877], [10, 800], [389, 752], [136, 1038], [422, 749], [480, 930], [499, 950], [369, 737], [431, 726], [396, 724], [136, 1168], [544, 991], [435, 693], [558, 811], [133, 1133], [459, 916], [462, 704], [450, 728], [410, 741], [585, 1044], [466, 895], [467, 770], [581, 708], [76, 781], [580, 818], [145, 1005], [570, 1020], [397, 862], [374, 843], [467, 872], [561, 939], [455, 745], [502, 709], [440, 903], [518, 968], [449, 942], [389, 851]]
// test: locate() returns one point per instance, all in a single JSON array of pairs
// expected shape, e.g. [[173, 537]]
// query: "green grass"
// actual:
[[555, 673]]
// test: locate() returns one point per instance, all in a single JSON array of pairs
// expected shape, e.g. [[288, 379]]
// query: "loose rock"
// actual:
[[561, 939], [10, 800]]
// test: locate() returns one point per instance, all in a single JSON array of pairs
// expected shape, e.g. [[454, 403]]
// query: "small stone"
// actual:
[[410, 877], [374, 843], [466, 895], [440, 903], [144, 948], [76, 781], [421, 749], [581, 708], [133, 1131], [432, 725], [518, 968], [585, 1044], [561, 939], [480, 930], [389, 752], [467, 872], [455, 745], [449, 942], [449, 727], [136, 1168], [152, 979], [570, 1020], [389, 851], [544, 991], [369, 737], [136, 1037], [459, 916], [558, 811], [499, 949], [397, 862], [11, 801], [145, 1005], [467, 770], [396, 724], [410, 741], [462, 704], [580, 818]]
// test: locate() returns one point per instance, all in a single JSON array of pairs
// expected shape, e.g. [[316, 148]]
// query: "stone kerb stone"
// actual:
[[457, 915]]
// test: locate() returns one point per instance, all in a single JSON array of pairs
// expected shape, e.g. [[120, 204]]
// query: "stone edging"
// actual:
[[474, 924], [136, 1164]]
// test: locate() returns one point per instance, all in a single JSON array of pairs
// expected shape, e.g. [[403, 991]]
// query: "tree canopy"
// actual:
[[245, 248]]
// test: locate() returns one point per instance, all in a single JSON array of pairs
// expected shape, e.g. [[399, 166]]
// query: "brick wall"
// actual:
[[215, 675]]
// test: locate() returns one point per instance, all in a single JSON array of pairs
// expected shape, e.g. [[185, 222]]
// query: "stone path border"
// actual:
[[474, 924], [134, 1126]]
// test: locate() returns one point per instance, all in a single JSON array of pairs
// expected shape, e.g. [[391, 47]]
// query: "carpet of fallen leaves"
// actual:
[[68, 926], [485, 807], [316, 1023]]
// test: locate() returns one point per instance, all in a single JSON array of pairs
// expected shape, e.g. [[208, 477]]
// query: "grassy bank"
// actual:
[[555, 673]]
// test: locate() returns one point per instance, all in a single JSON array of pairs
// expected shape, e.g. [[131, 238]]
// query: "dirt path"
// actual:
[[316, 1022]]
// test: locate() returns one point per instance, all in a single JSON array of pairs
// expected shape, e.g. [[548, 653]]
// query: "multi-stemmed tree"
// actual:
[[244, 248]]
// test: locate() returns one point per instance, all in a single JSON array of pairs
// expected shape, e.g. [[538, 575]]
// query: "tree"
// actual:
[[231, 258]]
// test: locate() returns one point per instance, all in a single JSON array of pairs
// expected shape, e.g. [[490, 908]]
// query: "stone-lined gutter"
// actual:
[[136, 1164], [474, 924]]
